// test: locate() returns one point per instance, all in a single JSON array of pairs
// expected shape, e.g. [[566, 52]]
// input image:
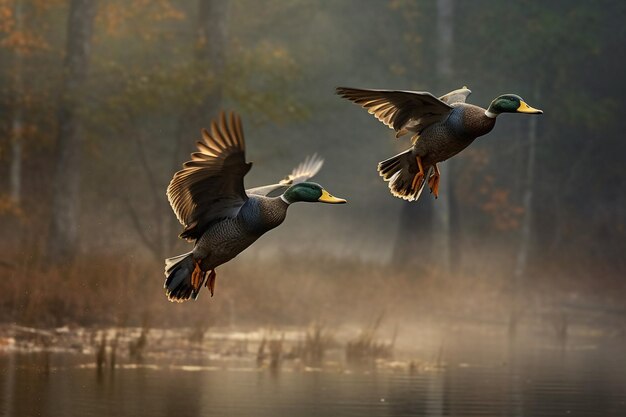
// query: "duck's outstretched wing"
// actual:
[[210, 186], [402, 111], [456, 96], [305, 170]]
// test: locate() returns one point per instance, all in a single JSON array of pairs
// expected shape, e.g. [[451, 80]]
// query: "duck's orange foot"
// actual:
[[197, 276], [417, 181], [419, 177], [210, 282], [433, 182]]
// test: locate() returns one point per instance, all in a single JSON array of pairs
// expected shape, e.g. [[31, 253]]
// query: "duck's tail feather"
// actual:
[[401, 173], [178, 286]]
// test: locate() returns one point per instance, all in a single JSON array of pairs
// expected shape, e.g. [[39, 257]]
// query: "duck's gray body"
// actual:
[[221, 241], [217, 212], [442, 140], [436, 143], [227, 238], [441, 127]]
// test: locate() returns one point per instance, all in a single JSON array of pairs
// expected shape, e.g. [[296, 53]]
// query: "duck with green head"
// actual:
[[219, 214], [441, 128]]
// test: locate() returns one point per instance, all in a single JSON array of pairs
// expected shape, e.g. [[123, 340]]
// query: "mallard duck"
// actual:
[[221, 216], [441, 128]]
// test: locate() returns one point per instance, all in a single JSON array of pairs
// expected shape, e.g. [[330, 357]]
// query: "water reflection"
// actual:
[[498, 379]]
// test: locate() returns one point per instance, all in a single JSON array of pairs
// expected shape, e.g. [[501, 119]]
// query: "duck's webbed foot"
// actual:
[[419, 177], [210, 282], [433, 181], [197, 276]]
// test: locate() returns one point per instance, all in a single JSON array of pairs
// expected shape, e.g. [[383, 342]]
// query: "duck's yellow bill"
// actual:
[[525, 108], [328, 198]]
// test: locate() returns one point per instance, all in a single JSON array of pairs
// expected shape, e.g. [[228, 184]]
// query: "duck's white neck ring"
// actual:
[[282, 197], [490, 114]]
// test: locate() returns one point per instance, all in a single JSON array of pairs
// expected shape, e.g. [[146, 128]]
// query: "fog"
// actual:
[[93, 129]]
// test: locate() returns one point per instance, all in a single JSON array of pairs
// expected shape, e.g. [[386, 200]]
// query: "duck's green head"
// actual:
[[309, 192], [510, 103]]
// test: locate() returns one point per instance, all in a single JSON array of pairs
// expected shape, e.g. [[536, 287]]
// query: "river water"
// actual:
[[586, 377]]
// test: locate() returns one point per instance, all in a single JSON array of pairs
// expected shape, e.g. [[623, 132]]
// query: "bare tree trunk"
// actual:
[[412, 247], [423, 230], [521, 264], [213, 18], [525, 236], [63, 238], [15, 170], [442, 206], [445, 38], [210, 55]]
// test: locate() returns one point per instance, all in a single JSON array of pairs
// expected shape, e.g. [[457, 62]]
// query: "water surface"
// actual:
[[581, 379]]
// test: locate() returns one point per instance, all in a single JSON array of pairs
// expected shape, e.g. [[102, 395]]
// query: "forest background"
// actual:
[[101, 102]]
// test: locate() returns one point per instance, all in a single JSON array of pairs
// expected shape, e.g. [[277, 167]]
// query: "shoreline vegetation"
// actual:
[[310, 348], [295, 290]]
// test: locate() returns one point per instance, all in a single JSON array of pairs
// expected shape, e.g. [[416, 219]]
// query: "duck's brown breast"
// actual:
[[474, 122], [443, 140]]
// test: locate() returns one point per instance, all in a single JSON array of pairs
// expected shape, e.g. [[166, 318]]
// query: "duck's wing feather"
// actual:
[[456, 96], [304, 171], [396, 108], [210, 186]]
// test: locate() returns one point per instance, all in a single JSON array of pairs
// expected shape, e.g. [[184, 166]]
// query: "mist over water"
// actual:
[[473, 372], [503, 297]]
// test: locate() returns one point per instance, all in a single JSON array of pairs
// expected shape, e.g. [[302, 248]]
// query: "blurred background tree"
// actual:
[[535, 208]]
